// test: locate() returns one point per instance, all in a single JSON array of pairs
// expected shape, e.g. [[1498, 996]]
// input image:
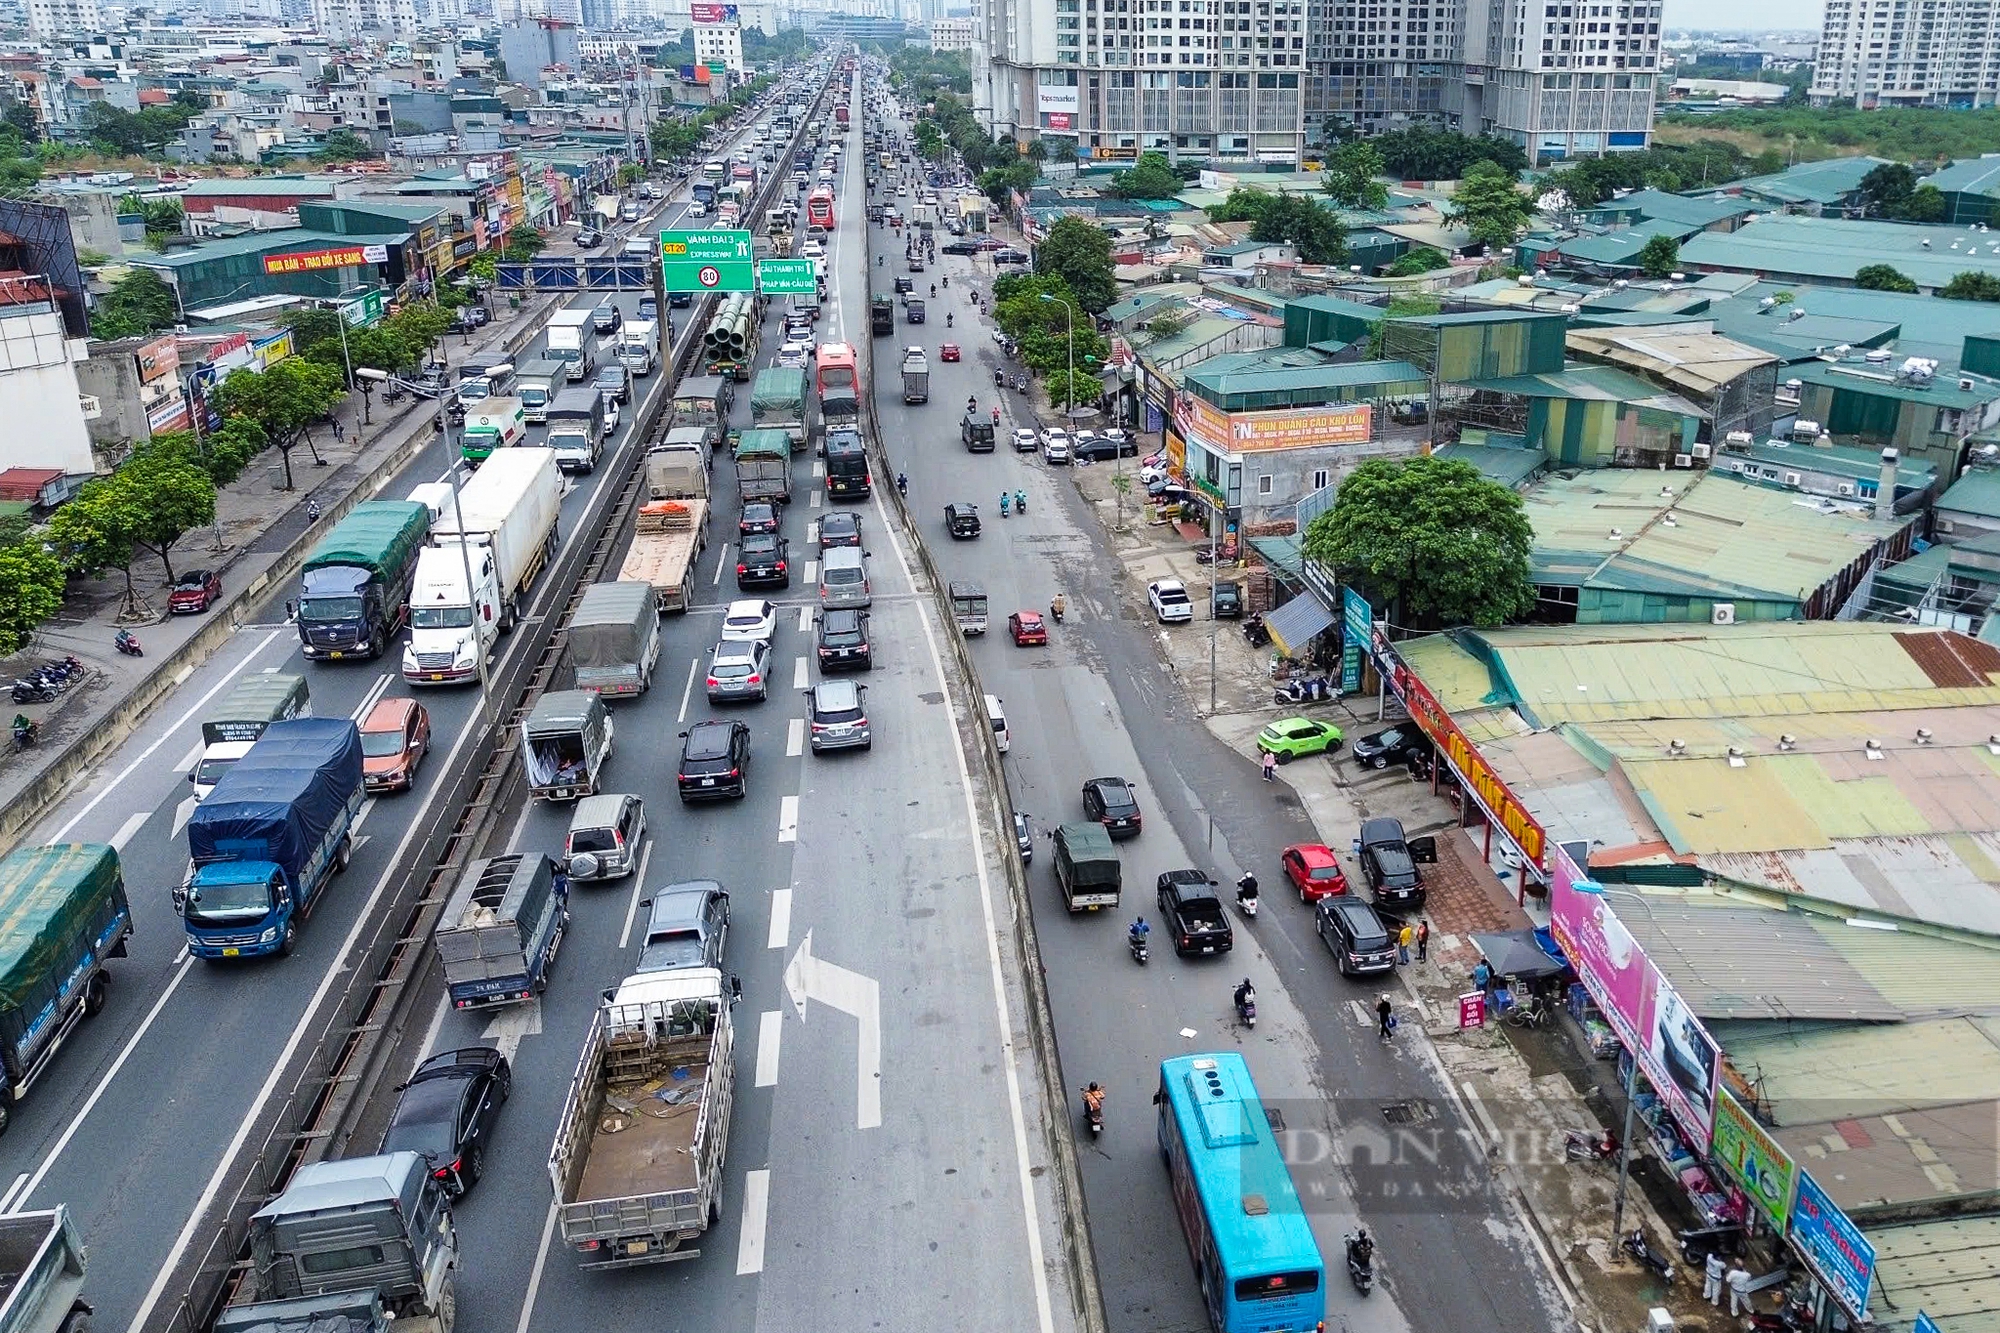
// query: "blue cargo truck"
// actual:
[[269, 838], [63, 911], [354, 596]]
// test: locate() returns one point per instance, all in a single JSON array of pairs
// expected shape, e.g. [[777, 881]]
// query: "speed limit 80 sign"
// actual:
[[707, 261]]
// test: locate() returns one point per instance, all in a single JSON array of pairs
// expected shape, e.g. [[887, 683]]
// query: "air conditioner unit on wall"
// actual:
[[1683, 460], [1722, 613], [1698, 450]]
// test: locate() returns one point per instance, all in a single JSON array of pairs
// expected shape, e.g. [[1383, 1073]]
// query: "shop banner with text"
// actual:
[[1755, 1160], [1832, 1246]]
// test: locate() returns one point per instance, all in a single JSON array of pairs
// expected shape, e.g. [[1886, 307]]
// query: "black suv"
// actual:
[[606, 319], [715, 758], [843, 640], [446, 1111], [1360, 942], [1101, 448], [843, 529], [959, 248], [961, 520], [758, 516], [1395, 745], [1389, 863], [1111, 802], [761, 560]]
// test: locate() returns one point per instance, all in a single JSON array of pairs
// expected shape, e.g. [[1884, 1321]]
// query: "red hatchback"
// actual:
[[1313, 871], [948, 352], [1027, 628], [196, 590]]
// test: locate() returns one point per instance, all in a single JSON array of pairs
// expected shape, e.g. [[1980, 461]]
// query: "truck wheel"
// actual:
[[344, 855], [6, 1111], [77, 1323], [289, 941], [379, 645], [447, 1306], [94, 995]]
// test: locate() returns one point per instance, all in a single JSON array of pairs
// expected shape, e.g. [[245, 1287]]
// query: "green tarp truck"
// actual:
[[764, 465], [778, 402], [63, 911], [354, 593]]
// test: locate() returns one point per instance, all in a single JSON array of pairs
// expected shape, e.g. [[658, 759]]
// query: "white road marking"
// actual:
[[860, 997], [118, 840], [513, 1023], [812, 533], [788, 819], [1361, 1016], [795, 733], [360, 816], [817, 496], [781, 919], [805, 619], [62, 833], [181, 969], [638, 887], [721, 563], [799, 678], [756, 1211], [7, 1199], [535, 1274], [819, 468], [182, 813], [193, 758], [769, 1027], [1010, 1062], [270, 670], [687, 690], [812, 574], [337, 967]]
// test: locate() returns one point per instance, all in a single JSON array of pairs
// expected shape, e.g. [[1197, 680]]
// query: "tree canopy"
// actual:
[[1971, 286], [1489, 205], [1080, 254], [1151, 177], [282, 401], [1422, 153], [1442, 542], [140, 302], [31, 590], [1659, 256], [1041, 326], [1421, 259], [1882, 278], [1351, 170]]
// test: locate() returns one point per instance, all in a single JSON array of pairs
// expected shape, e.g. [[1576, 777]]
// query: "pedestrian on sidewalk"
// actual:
[[1424, 940], [1385, 1017], [1404, 938], [339, 432], [1270, 763], [1739, 1289], [1712, 1273], [1482, 977]]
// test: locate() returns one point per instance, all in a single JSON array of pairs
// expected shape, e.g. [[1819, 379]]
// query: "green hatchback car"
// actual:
[[1292, 738]]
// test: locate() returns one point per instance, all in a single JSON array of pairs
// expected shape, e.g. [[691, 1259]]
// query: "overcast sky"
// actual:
[[1735, 14]]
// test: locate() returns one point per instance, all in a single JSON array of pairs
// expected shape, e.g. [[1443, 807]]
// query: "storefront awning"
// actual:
[[1294, 624]]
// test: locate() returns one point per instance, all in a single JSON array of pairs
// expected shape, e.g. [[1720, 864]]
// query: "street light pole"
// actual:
[[464, 554]]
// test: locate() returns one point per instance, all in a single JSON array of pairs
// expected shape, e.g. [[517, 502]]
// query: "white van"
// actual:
[[843, 578], [432, 495], [996, 716]]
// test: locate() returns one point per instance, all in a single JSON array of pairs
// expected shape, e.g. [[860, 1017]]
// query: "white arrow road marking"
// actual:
[[769, 1026], [795, 733], [128, 828], [182, 813], [513, 1023], [756, 1210], [799, 680], [781, 919], [810, 978]]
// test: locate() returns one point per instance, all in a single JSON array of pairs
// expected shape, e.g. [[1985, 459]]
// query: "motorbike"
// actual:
[[1581, 1147], [34, 692], [1697, 1243], [1634, 1244], [1020, 502], [26, 736], [999, 378], [1020, 384], [1005, 501], [1056, 609], [1304, 689], [1246, 1009], [902, 484], [1360, 1266], [126, 642], [1094, 1117], [1254, 632], [1141, 951]]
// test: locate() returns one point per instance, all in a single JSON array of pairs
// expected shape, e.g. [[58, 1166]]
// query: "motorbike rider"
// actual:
[[947, 319], [933, 291], [24, 728], [312, 511], [1057, 605], [1246, 889], [1093, 1100], [902, 484], [996, 416], [972, 405], [1361, 1250], [1138, 932], [1020, 502], [1006, 499], [1245, 993], [999, 378]]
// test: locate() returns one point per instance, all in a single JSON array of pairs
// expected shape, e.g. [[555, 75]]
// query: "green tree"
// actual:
[[1151, 177], [1659, 256], [283, 401], [1925, 204], [523, 244], [222, 453], [1887, 189], [1078, 389], [346, 146], [1041, 326], [1971, 286], [1489, 206], [1882, 278], [1300, 219], [140, 302], [1432, 535], [21, 117], [1422, 259], [31, 590], [631, 174], [1245, 204], [1080, 254], [485, 266], [1351, 170], [1422, 153], [163, 497], [997, 182], [1421, 303]]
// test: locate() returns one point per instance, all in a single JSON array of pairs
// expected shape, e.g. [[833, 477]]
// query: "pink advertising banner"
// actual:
[[1676, 1053]]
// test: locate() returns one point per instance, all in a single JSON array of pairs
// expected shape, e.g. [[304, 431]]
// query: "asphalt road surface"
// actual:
[[884, 1160]]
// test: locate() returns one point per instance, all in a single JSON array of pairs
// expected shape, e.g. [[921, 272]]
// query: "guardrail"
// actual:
[[1066, 1178], [314, 1120]]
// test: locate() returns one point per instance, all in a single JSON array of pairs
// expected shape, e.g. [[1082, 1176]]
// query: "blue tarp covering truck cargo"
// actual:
[[63, 911], [269, 837]]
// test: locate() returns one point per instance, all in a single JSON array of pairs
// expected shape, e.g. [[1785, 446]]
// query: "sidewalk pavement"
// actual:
[[256, 523], [1520, 1088]]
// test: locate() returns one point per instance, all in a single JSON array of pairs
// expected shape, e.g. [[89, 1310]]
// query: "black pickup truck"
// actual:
[[1193, 914]]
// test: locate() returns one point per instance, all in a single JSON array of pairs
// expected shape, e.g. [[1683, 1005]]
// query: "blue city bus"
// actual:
[[1253, 1250]]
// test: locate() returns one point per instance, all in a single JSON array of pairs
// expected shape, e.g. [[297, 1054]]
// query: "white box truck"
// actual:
[[639, 345], [573, 342], [506, 528]]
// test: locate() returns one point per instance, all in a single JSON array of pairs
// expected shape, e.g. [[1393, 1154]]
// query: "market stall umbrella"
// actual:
[[1516, 953]]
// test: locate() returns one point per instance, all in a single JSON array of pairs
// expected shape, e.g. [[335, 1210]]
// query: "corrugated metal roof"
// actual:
[[1698, 363], [1219, 384], [1702, 212], [1578, 382], [1692, 533], [1977, 492], [1731, 962], [1823, 182], [1510, 467], [1921, 974], [1940, 391], [1978, 175], [1948, 1268], [282, 186], [1809, 1075], [1838, 248], [1924, 325]]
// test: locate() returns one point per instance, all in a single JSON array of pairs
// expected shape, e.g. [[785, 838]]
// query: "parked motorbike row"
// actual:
[[1306, 689], [48, 682]]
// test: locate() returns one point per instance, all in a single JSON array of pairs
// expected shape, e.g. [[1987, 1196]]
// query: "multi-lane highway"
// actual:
[[888, 1151]]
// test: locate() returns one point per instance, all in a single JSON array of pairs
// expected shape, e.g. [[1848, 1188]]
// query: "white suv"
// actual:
[[1170, 601], [1055, 445]]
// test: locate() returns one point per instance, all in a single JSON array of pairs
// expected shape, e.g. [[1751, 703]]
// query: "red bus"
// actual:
[[819, 208], [837, 368]]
